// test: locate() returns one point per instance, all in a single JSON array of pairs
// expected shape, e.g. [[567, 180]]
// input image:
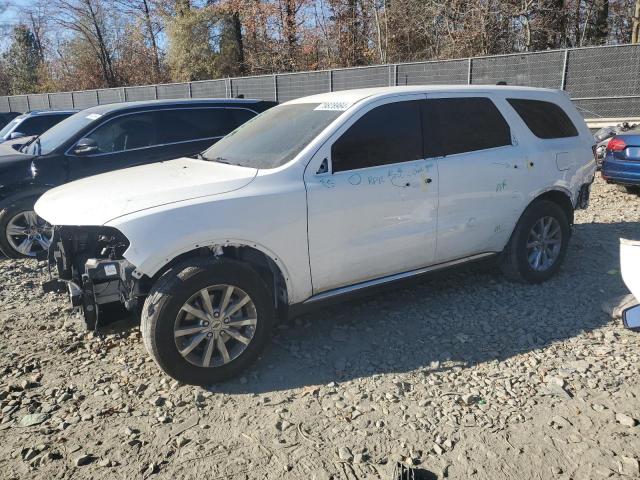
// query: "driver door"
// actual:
[[372, 196], [123, 141]]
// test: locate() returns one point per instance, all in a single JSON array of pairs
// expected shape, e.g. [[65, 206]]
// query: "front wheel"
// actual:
[[206, 320], [538, 244], [22, 232]]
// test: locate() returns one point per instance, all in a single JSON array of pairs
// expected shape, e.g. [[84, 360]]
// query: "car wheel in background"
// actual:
[[538, 244], [634, 189], [207, 319], [22, 232]]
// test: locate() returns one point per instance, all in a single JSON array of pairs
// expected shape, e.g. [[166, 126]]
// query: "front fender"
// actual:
[[279, 221], [8, 197]]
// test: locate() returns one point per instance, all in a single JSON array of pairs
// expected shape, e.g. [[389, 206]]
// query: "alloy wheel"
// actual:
[[29, 234], [215, 326], [544, 244]]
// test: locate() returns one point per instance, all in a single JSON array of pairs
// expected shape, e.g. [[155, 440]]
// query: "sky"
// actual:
[[9, 17]]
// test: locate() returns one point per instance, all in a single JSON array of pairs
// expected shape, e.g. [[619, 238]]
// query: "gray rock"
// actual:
[[614, 306], [84, 459], [630, 466], [33, 419], [345, 454], [626, 420]]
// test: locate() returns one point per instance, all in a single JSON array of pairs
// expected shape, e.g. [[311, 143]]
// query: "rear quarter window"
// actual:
[[546, 120]]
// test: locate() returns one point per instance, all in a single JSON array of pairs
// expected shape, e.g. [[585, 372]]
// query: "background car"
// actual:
[[603, 135], [6, 117], [33, 123], [621, 163], [101, 139]]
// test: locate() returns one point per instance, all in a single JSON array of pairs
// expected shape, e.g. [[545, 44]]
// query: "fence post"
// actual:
[[469, 71], [97, 97], [155, 92], [124, 94], [28, 103], [49, 101], [227, 87], [190, 93], [395, 75], [563, 81], [73, 100], [275, 87], [331, 80]]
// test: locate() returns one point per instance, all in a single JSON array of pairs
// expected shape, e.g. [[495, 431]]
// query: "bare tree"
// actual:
[[87, 18], [635, 28], [146, 12]]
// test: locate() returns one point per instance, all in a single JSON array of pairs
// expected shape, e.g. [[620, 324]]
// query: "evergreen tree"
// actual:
[[22, 61]]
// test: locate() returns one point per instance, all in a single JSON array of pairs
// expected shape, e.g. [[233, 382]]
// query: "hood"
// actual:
[[97, 200], [15, 144]]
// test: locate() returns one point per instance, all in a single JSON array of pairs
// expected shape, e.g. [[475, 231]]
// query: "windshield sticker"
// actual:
[[93, 116], [334, 106]]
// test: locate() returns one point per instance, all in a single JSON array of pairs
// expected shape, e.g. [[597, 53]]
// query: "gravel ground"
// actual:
[[462, 376]]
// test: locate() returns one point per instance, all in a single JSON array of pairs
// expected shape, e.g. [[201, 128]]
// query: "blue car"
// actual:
[[622, 161]]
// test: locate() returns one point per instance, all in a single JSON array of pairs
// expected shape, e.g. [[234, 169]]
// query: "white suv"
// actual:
[[317, 198]]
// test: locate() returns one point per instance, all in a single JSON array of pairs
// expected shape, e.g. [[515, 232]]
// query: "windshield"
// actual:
[[60, 133], [9, 126], [274, 137]]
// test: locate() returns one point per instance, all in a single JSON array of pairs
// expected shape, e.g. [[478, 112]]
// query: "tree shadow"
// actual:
[[471, 315]]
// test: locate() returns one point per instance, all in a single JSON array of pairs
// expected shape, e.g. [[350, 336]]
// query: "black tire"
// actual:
[[513, 260], [633, 189], [7, 213], [170, 293]]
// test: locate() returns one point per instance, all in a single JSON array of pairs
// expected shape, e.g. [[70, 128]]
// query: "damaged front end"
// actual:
[[90, 266]]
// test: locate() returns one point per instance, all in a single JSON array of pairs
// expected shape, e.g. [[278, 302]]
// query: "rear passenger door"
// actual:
[[186, 132], [479, 165]]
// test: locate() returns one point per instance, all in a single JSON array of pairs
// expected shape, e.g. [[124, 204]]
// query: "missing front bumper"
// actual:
[[105, 292]]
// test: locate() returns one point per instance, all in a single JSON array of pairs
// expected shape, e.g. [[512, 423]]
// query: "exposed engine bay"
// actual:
[[90, 265]]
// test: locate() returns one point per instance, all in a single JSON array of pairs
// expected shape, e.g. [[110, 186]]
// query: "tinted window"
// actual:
[[461, 125], [192, 124], [8, 128], [125, 133], [274, 137], [389, 133], [544, 119], [240, 116], [62, 132], [37, 125]]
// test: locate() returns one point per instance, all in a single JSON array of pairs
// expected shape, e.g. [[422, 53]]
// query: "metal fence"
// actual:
[[603, 81]]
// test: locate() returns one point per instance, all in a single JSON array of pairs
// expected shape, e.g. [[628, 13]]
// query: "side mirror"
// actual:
[[85, 146], [631, 318], [15, 135]]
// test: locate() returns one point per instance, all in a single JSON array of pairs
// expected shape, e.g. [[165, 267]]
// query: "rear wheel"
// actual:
[[206, 320], [22, 232], [634, 189], [538, 244]]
